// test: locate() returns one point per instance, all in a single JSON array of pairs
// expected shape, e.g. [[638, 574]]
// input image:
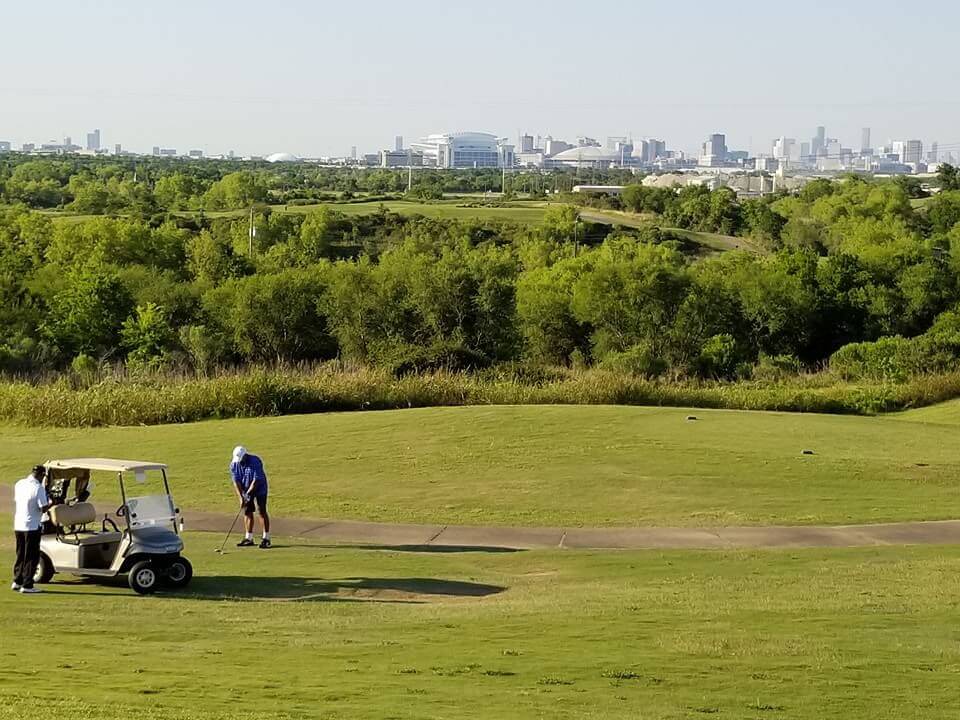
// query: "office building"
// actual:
[[912, 152], [818, 146], [554, 147], [526, 144], [168, 152], [804, 152], [156, 150], [464, 150], [714, 150], [93, 140], [400, 158], [933, 156], [865, 147], [398, 143], [117, 150], [27, 147], [353, 152], [785, 148], [4, 146]]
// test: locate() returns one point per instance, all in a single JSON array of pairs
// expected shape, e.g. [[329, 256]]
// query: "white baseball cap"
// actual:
[[238, 453]]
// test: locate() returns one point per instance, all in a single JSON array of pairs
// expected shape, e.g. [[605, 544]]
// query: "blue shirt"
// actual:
[[248, 470]]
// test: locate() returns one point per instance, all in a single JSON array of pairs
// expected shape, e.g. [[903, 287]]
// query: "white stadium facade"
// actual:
[[464, 150]]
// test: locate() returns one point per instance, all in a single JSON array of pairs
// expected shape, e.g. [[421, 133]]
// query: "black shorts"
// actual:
[[259, 500]]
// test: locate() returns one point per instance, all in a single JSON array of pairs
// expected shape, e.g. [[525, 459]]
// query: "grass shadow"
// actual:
[[385, 590]]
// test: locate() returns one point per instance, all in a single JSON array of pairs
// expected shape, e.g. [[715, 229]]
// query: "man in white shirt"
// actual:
[[30, 502]]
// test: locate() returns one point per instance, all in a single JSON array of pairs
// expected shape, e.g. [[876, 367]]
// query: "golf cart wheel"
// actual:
[[143, 578], [178, 573], [44, 573]]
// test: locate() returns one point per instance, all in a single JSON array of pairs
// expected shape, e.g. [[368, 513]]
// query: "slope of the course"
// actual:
[[310, 631], [555, 466], [945, 413]]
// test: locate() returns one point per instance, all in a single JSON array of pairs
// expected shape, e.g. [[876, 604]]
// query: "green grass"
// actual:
[[711, 242], [311, 631], [517, 211], [548, 465], [946, 413]]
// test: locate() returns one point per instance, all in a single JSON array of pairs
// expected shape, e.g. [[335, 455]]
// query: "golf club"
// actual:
[[219, 550]]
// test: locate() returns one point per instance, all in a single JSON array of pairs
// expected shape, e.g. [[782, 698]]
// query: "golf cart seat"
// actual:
[[78, 514]]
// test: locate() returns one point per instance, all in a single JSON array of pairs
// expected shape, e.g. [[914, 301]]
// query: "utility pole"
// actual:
[[409, 170], [252, 232]]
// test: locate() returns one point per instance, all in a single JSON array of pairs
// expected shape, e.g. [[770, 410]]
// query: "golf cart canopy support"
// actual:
[[105, 464]]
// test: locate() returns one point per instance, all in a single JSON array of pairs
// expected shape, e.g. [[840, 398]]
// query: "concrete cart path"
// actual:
[[943, 532]]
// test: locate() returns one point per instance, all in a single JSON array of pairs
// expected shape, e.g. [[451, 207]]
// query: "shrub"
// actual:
[[718, 356], [895, 358], [638, 360], [776, 367]]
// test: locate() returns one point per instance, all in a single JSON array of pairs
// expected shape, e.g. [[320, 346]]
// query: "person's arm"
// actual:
[[236, 477], [43, 501]]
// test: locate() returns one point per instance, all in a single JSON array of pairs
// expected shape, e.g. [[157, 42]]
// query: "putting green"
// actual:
[[311, 631], [559, 466]]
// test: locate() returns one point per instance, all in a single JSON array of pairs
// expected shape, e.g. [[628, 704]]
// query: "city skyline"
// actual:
[[315, 81], [782, 147]]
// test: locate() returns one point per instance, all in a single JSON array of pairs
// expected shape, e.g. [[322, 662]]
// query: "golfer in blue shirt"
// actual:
[[250, 482]]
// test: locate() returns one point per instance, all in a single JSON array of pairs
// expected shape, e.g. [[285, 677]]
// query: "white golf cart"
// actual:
[[148, 547]]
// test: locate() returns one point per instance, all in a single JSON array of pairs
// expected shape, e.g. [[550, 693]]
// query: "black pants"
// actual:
[[28, 555]]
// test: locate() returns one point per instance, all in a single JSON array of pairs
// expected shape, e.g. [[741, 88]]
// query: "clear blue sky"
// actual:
[[316, 77]]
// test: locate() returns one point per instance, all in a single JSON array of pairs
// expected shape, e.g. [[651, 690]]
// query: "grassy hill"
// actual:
[[548, 465], [313, 631], [946, 413]]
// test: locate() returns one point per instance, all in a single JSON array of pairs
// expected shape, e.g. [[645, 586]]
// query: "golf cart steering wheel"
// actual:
[[103, 525], [121, 511]]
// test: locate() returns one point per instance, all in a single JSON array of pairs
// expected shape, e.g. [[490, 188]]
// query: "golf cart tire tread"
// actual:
[[45, 570], [133, 578]]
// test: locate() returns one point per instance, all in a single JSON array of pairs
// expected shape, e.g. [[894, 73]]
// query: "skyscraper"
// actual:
[[714, 150], [784, 148], [865, 146], [93, 140], [912, 152], [526, 143], [818, 146], [398, 143]]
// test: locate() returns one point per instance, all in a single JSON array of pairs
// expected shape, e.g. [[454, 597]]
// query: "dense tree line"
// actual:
[[853, 272]]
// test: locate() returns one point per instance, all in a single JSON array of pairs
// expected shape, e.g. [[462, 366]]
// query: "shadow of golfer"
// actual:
[[439, 549], [383, 590]]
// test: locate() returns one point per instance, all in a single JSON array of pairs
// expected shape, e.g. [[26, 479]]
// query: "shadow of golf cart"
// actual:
[[146, 548]]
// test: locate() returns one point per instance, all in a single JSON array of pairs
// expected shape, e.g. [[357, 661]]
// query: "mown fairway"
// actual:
[[548, 465], [517, 211], [311, 631]]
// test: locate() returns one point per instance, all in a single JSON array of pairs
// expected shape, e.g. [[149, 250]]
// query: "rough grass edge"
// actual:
[[156, 400]]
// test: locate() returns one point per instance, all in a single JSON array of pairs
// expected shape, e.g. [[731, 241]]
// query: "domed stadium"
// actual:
[[586, 157], [282, 157]]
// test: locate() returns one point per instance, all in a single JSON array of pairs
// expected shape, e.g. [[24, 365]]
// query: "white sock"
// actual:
[[248, 536], [266, 536]]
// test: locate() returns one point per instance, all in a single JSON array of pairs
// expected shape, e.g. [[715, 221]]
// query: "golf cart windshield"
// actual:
[[148, 499]]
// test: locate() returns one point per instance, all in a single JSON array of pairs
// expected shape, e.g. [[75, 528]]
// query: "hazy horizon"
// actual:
[[314, 81]]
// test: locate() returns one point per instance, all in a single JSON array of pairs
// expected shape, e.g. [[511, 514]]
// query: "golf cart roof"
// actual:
[[106, 464]]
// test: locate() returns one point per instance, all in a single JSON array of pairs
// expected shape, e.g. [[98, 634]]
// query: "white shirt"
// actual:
[[29, 497]]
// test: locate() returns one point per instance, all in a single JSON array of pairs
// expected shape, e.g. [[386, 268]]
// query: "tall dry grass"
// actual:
[[118, 400]]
